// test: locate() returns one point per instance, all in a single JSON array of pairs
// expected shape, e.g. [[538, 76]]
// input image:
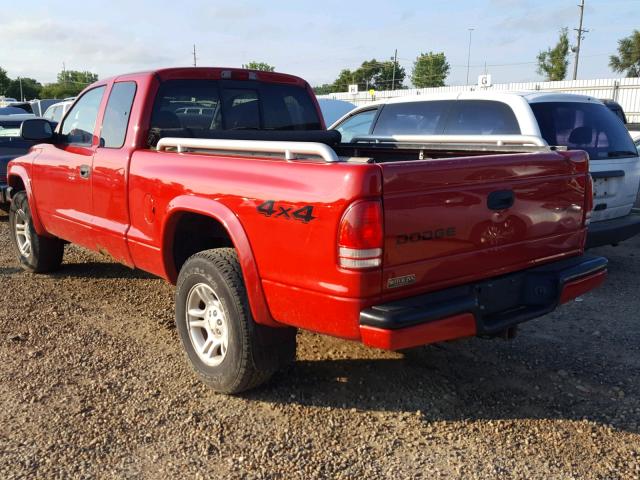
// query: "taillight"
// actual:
[[360, 236], [588, 204]]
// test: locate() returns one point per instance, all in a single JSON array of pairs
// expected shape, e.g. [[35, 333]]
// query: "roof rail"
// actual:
[[498, 140], [291, 150]]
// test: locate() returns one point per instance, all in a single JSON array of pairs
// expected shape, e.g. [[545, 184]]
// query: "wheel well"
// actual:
[[16, 183], [194, 233]]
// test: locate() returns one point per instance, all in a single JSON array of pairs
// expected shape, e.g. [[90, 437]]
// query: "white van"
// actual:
[[574, 121]]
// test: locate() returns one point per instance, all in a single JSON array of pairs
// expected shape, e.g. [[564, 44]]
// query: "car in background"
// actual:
[[5, 101], [11, 110], [553, 119], [56, 112], [11, 146], [40, 106], [25, 107], [333, 109]]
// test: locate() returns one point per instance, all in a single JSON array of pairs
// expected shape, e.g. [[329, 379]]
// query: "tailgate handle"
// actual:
[[500, 200]]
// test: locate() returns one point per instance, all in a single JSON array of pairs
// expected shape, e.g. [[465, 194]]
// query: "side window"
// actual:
[[116, 115], [80, 123], [412, 118], [481, 117], [356, 125]]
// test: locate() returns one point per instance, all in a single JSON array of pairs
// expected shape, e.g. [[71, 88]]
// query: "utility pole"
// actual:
[[393, 77], [471, 29], [580, 31], [21, 95], [195, 63], [64, 74]]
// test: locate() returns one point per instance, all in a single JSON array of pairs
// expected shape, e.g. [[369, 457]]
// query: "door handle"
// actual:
[[500, 200], [85, 171]]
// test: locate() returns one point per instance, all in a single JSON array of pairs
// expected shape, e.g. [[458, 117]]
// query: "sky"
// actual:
[[314, 40]]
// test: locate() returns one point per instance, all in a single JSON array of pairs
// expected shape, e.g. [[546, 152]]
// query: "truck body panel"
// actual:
[[445, 221]]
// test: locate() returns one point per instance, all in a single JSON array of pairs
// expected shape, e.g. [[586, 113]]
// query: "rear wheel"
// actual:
[[36, 253], [227, 349]]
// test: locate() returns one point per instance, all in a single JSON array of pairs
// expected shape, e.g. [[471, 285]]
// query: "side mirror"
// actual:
[[36, 129]]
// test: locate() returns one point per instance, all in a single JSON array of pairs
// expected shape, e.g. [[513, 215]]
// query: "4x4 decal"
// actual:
[[271, 208]]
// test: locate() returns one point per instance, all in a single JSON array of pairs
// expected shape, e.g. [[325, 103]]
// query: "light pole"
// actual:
[[471, 29], [580, 31]]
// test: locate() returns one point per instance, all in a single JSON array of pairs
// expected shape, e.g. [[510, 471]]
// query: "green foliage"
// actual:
[[30, 89], [371, 74], [323, 89], [264, 67], [628, 58], [553, 63], [70, 83], [5, 81], [386, 80], [430, 70]]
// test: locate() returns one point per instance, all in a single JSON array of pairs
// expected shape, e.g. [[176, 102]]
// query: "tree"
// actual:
[[323, 89], [5, 81], [370, 74], [264, 67], [628, 58], [553, 63], [70, 83], [387, 79], [30, 88], [430, 70]]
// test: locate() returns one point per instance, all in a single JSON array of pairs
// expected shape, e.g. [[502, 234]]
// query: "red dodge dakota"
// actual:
[[226, 183]]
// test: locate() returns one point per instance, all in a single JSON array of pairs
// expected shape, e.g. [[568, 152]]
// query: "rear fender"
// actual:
[[228, 219]]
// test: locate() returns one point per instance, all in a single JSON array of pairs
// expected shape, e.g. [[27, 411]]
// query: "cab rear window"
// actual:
[[202, 106], [591, 127]]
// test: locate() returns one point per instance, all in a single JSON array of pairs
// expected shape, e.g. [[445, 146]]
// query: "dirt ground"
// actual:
[[94, 384]]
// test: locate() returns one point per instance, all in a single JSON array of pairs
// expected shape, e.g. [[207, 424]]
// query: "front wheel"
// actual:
[[227, 349], [36, 253]]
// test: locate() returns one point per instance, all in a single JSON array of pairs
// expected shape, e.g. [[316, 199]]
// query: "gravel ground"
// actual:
[[94, 384]]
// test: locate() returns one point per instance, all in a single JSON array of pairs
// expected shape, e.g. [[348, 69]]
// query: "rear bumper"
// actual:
[[481, 308], [613, 231]]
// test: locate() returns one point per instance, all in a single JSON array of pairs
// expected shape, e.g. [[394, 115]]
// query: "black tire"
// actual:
[[254, 352], [45, 253]]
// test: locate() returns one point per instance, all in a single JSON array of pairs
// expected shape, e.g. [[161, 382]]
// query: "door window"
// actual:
[[80, 122], [356, 125], [116, 115]]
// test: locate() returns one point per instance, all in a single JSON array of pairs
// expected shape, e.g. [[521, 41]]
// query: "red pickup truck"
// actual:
[[225, 183]]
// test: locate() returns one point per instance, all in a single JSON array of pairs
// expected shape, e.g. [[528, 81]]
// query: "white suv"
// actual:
[[573, 121]]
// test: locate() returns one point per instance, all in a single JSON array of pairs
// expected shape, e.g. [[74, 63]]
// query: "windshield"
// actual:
[[591, 127]]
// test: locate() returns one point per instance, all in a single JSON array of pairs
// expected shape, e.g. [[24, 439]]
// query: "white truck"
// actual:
[[553, 119]]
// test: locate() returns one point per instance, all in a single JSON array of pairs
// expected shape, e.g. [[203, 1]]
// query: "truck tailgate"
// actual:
[[453, 221]]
